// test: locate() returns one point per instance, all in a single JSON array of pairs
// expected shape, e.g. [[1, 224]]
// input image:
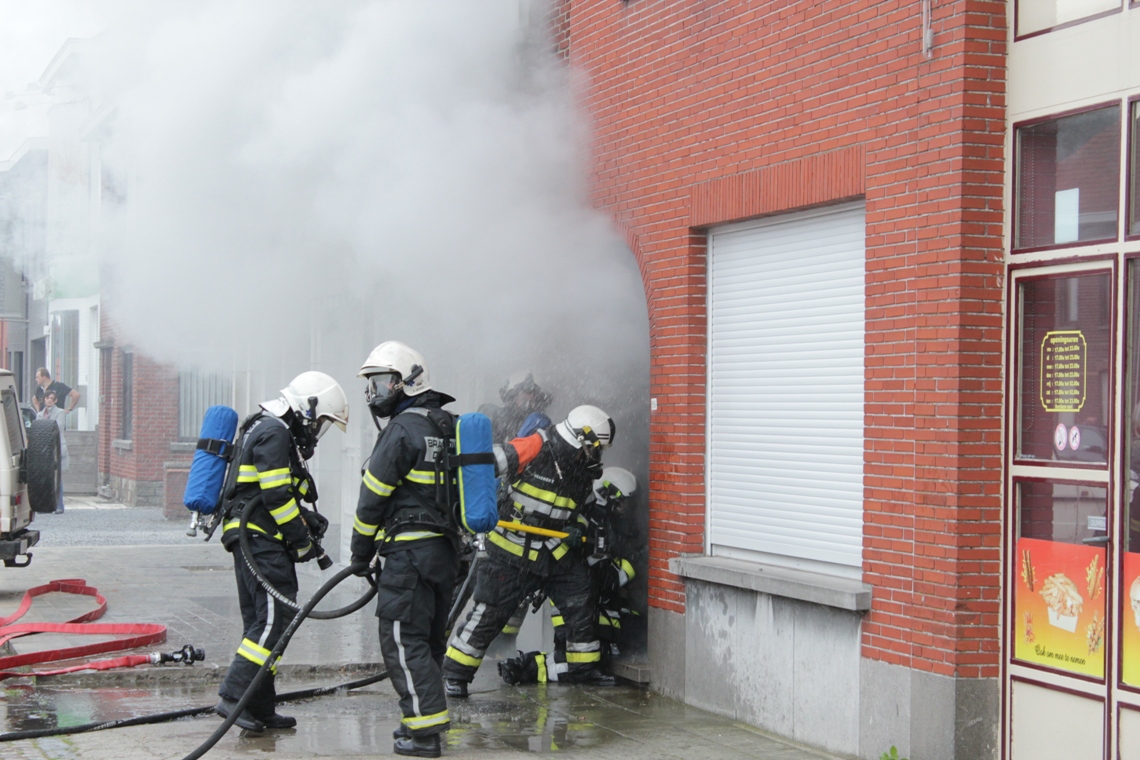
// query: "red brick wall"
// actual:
[[706, 112], [154, 421]]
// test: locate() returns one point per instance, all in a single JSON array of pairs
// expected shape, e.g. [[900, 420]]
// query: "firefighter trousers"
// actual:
[[500, 586], [413, 600], [263, 619]]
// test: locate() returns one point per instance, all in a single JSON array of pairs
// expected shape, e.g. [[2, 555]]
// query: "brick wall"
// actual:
[[132, 467], [708, 112]]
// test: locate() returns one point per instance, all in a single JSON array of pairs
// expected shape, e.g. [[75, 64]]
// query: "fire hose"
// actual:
[[135, 635], [146, 633]]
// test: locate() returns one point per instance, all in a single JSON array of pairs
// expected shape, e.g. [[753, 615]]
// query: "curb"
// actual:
[[198, 674]]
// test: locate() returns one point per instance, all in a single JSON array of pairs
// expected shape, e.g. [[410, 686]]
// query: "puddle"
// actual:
[[539, 719]]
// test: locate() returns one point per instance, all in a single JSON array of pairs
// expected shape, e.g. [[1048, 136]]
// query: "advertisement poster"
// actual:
[[1130, 621], [1059, 606]]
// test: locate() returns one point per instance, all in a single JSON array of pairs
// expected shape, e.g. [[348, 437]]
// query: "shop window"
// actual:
[[1063, 378], [1134, 171], [1059, 599], [1068, 175], [1041, 15]]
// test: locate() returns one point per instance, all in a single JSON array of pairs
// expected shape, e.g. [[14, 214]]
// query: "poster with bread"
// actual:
[[1059, 606]]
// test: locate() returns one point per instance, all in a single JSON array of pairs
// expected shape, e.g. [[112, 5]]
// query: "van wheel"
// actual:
[[44, 474]]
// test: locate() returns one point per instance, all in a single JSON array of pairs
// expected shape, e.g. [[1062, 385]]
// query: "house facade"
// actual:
[[887, 251]]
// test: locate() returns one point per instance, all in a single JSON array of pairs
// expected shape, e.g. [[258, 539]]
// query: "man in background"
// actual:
[[66, 398]]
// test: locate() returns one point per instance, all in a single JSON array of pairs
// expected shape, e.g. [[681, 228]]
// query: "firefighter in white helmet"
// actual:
[[610, 571], [549, 493], [399, 515], [269, 474]]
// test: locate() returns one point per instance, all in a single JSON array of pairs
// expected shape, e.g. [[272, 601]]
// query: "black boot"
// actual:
[[455, 688], [401, 731], [423, 746], [277, 720], [263, 706], [592, 677], [225, 708]]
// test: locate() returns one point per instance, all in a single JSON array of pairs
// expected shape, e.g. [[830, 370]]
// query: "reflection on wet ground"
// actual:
[[498, 720], [535, 718]]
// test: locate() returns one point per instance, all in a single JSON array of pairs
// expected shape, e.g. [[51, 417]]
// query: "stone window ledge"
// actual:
[[827, 590], [183, 447], [122, 445]]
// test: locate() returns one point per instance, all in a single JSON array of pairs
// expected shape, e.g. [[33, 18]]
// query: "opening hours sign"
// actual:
[[1063, 364]]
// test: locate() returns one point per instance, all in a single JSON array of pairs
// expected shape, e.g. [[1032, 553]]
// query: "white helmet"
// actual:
[[588, 427], [394, 356], [616, 482], [318, 400]]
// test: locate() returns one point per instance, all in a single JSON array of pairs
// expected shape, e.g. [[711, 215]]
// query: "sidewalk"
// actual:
[[191, 590]]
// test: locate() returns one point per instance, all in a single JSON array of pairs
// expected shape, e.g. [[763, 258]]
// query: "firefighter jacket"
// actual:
[[548, 493], [271, 471], [402, 498]]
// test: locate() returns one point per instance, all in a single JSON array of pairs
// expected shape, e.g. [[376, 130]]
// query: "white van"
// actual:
[[30, 476]]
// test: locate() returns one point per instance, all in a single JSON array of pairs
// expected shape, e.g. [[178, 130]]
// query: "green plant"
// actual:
[[892, 755]]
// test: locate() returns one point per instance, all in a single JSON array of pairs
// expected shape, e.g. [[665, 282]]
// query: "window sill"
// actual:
[[183, 447], [122, 445], [817, 588]]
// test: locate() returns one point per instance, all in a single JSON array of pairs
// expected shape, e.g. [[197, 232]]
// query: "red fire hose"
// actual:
[[135, 635]]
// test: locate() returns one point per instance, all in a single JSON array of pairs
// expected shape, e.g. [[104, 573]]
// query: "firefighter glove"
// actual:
[[317, 523], [302, 553]]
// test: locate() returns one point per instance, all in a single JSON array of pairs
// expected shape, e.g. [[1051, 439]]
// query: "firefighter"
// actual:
[[521, 397], [610, 572], [549, 494], [400, 515], [269, 472]]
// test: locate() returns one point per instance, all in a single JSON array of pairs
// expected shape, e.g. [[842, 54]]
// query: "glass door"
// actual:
[[1061, 505]]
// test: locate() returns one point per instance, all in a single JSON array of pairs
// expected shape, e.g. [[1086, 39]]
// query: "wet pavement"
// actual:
[[189, 587]]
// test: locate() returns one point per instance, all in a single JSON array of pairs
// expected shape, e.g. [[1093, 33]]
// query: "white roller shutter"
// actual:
[[785, 386]]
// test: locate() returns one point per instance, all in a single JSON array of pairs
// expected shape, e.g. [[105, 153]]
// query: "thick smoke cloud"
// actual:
[[286, 184], [412, 167]]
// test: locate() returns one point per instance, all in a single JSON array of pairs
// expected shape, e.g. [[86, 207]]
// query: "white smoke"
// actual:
[[286, 184]]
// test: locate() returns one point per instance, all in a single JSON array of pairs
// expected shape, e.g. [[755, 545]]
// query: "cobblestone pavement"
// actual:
[[188, 586]]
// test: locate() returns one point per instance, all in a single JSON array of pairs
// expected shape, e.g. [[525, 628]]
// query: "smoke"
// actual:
[[415, 165], [284, 185]]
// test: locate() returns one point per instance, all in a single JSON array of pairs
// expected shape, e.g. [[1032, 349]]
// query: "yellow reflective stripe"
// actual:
[[426, 721], [540, 658], [423, 477], [380, 535], [605, 620], [274, 478], [284, 514], [563, 502], [414, 535], [560, 551], [503, 543], [583, 657], [364, 528], [235, 524], [302, 486], [510, 629], [247, 473], [557, 620], [463, 659], [252, 652], [377, 487]]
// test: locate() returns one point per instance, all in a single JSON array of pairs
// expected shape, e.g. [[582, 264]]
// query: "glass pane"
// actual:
[[1130, 582], [1059, 599], [1035, 15], [1068, 172], [1063, 393], [1133, 173]]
